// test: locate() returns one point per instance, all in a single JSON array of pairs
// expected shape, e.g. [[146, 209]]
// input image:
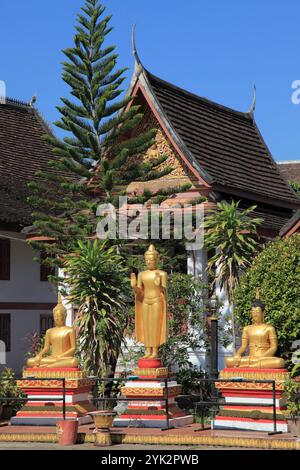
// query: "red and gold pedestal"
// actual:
[[152, 413], [49, 409], [249, 414]]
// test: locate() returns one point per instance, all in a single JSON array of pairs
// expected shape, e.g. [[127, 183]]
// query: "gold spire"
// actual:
[[60, 307], [151, 251], [257, 296]]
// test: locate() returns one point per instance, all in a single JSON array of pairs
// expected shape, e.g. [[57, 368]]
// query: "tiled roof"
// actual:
[[290, 170], [22, 153], [290, 224], [226, 143]]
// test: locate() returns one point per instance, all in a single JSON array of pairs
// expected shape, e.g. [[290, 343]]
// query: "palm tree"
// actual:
[[231, 234], [99, 287]]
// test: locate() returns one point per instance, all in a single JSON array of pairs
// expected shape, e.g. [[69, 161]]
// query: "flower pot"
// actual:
[[294, 426], [67, 432], [103, 421]]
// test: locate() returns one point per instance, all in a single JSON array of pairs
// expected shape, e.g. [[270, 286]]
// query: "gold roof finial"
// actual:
[[253, 105], [257, 296]]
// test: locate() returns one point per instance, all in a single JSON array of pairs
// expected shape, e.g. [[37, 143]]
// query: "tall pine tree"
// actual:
[[91, 158]]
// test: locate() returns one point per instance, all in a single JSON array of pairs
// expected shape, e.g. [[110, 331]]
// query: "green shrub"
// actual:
[[276, 273]]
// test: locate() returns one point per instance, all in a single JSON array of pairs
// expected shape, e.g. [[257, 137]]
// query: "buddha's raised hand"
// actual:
[[132, 280]]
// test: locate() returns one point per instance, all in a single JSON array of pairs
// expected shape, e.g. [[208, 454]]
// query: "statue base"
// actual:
[[49, 408], [152, 413], [249, 406]]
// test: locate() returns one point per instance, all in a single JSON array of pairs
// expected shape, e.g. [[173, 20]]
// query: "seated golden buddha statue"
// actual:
[[262, 342], [60, 341]]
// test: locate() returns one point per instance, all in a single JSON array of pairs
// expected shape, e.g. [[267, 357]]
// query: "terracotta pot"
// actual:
[[294, 426], [67, 432]]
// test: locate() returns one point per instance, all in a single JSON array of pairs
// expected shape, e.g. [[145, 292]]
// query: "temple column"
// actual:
[[196, 266], [197, 262], [66, 304]]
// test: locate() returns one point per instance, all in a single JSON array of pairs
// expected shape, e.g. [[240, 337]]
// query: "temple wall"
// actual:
[[23, 287]]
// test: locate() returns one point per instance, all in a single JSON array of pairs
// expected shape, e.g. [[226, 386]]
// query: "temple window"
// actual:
[[5, 330], [4, 259]]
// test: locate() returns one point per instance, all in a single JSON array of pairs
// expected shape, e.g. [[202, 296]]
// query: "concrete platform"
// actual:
[[189, 435], [154, 423], [37, 422]]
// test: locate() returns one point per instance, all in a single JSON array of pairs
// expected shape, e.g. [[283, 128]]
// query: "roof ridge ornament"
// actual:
[[253, 105], [138, 68], [33, 100]]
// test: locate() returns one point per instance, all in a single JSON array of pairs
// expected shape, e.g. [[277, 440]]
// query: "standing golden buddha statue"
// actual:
[[261, 339], [60, 341], [150, 304]]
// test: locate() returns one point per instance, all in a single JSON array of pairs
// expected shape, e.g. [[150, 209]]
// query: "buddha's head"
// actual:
[[59, 313], [151, 257], [258, 309]]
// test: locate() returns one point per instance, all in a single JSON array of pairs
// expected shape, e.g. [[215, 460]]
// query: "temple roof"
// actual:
[[290, 170], [292, 226], [22, 153], [225, 144]]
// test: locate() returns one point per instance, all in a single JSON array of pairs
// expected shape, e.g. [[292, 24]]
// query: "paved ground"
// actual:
[[121, 447]]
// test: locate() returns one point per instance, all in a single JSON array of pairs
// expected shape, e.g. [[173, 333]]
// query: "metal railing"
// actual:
[[25, 400], [216, 401], [164, 398]]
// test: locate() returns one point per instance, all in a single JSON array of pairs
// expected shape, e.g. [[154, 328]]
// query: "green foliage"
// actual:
[[190, 380], [276, 273], [187, 304], [93, 159], [292, 395], [9, 389], [99, 287], [295, 186], [230, 232]]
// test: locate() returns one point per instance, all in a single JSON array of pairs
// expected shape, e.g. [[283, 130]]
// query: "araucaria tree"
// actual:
[[231, 233], [91, 159], [96, 154]]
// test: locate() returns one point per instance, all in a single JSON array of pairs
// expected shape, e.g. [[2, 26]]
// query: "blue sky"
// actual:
[[215, 48]]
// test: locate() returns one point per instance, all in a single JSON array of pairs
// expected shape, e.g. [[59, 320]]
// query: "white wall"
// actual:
[[196, 265], [24, 286]]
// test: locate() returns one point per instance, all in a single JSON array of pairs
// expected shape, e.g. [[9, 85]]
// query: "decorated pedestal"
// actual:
[[49, 409], [152, 413], [250, 414]]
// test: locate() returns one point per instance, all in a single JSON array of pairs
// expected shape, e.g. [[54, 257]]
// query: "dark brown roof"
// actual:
[[290, 170], [22, 153], [290, 224], [225, 143]]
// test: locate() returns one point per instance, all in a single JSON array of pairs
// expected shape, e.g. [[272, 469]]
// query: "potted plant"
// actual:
[[292, 397], [9, 389], [103, 421]]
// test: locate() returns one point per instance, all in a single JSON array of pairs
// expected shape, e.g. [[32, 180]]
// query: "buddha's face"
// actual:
[[59, 318], [151, 261], [257, 314]]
